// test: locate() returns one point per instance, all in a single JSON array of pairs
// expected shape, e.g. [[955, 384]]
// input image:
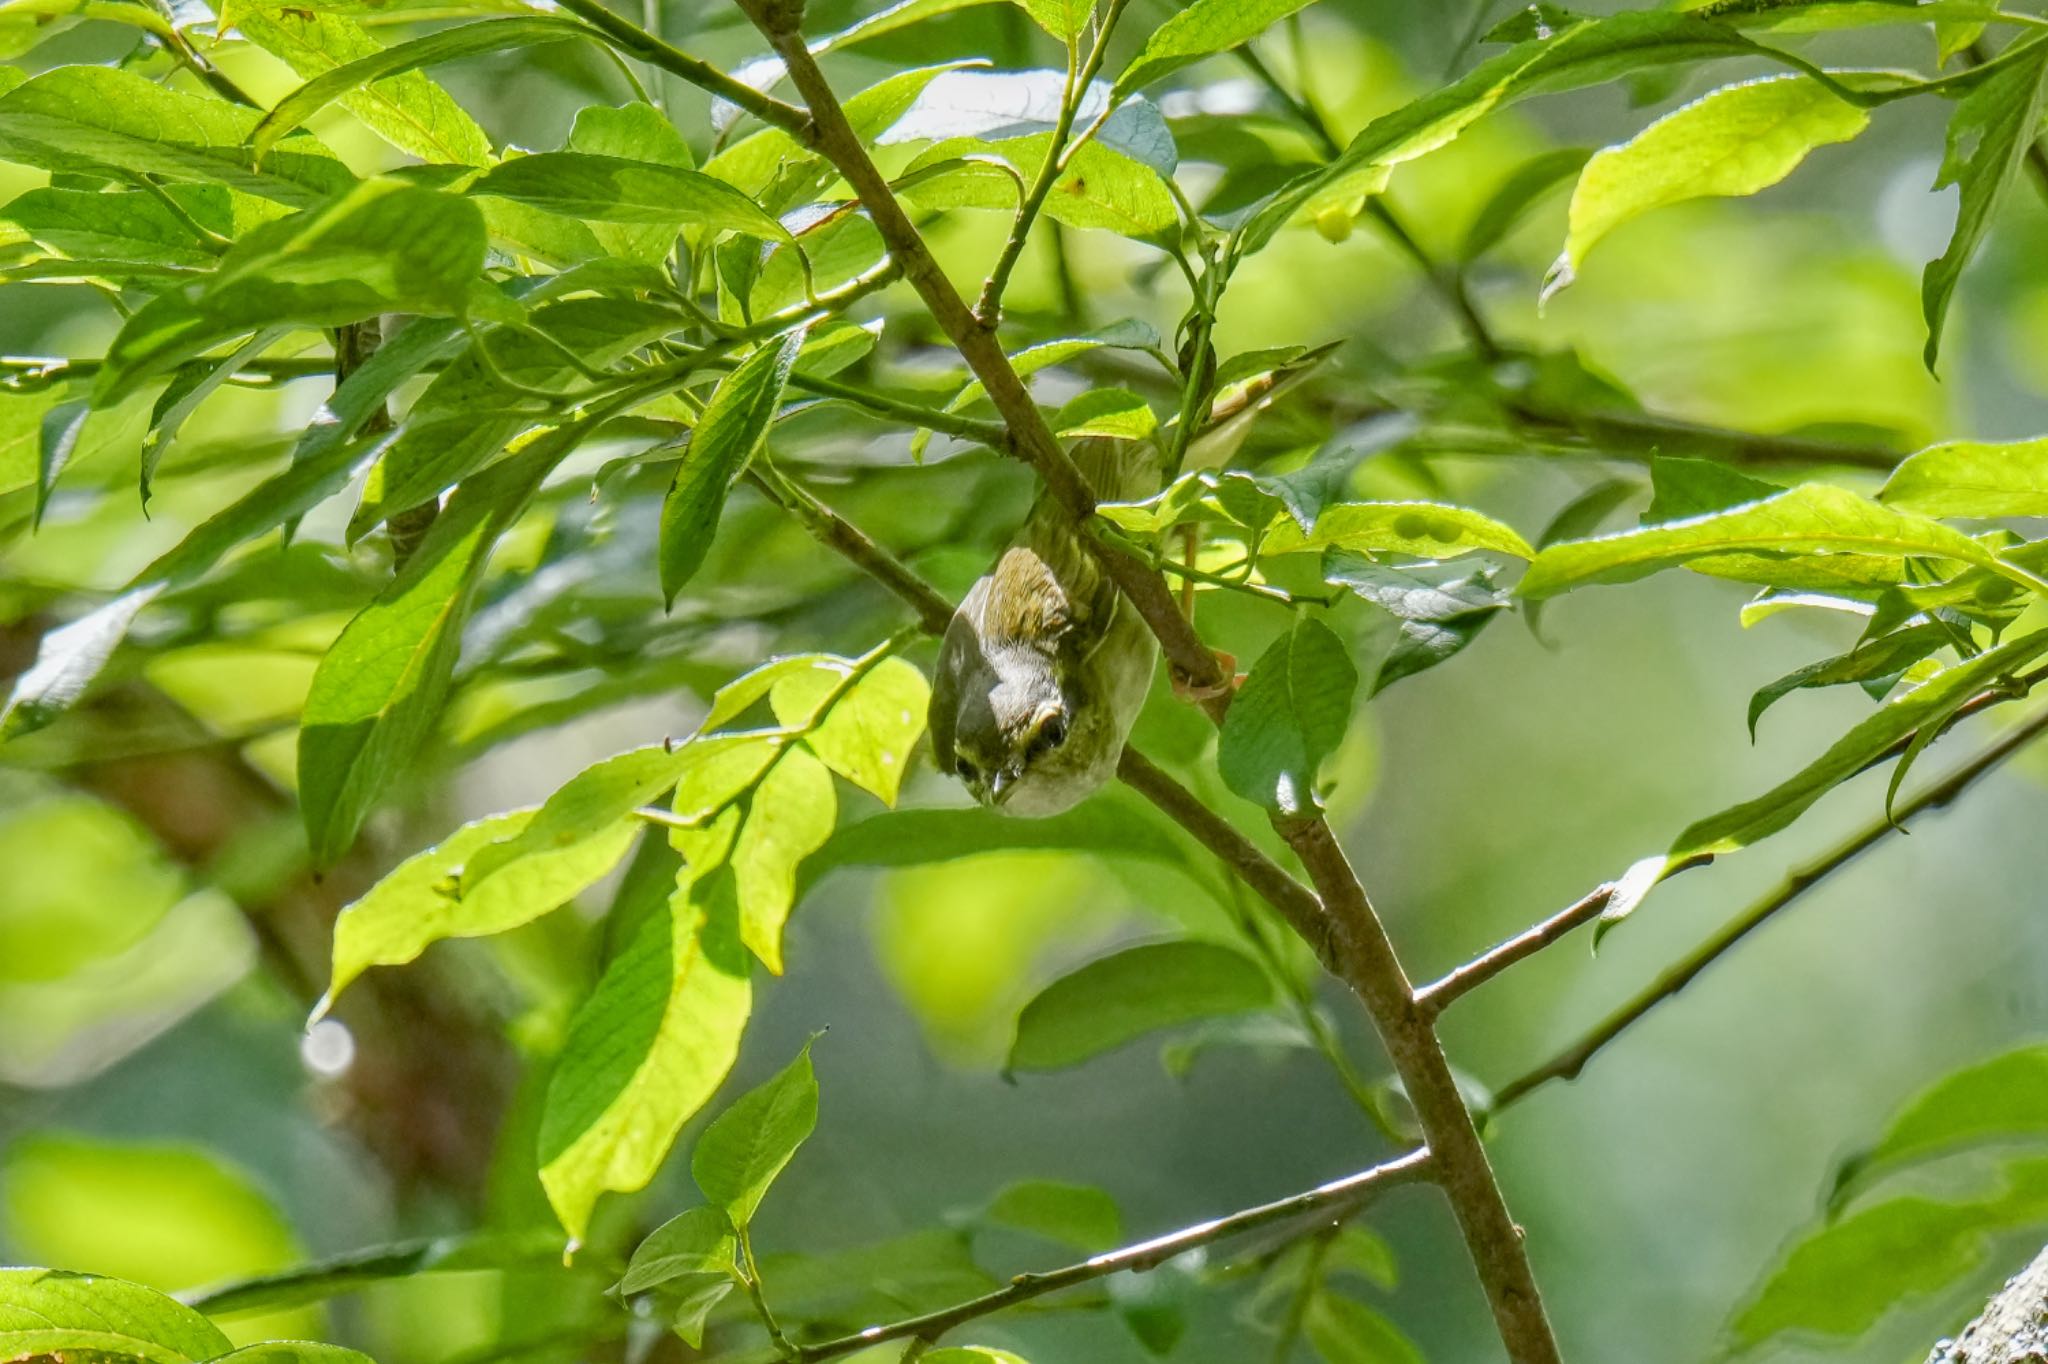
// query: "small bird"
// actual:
[[1045, 665]]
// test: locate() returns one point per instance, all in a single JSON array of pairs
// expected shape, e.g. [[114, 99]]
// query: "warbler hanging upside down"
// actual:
[[1046, 664]]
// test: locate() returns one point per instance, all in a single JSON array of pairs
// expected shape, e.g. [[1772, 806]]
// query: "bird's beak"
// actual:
[[999, 786]]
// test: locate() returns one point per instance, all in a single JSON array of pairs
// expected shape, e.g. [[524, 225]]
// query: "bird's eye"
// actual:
[[967, 770], [1050, 735]]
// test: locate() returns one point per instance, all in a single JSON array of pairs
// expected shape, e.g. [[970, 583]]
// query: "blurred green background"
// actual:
[[164, 1115]]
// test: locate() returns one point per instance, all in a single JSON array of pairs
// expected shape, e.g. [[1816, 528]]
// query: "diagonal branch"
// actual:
[[1567, 1063], [1333, 1202], [1364, 952], [1030, 438]]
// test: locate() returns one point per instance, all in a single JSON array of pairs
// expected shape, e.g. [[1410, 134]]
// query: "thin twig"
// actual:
[[1569, 1061], [1059, 154], [645, 45], [1335, 1201], [1433, 997]]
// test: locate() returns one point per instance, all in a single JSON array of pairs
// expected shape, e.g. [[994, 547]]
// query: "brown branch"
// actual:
[[1567, 1063], [835, 532], [1433, 997], [1369, 966], [1364, 951], [1333, 1202], [1029, 438], [1295, 902], [354, 344], [2012, 1328]]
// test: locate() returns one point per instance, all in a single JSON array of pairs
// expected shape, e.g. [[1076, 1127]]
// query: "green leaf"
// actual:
[[1580, 52], [744, 692], [188, 390], [422, 900], [1128, 334], [1101, 187], [746, 1147], [1730, 142], [1515, 196], [1139, 990], [385, 247], [868, 735], [1290, 714], [1345, 1331], [1812, 519], [973, 1354], [789, 816], [1203, 28], [2003, 1100], [67, 660], [1012, 107], [49, 1311], [1742, 825], [614, 189], [407, 109], [1116, 413], [733, 426], [126, 226], [900, 15], [1842, 1279], [639, 133], [1972, 478], [1363, 1253], [1077, 1215], [95, 119], [21, 434], [1427, 530], [489, 35], [1440, 611], [699, 1241], [293, 1352], [378, 689], [1988, 136], [596, 799], [1681, 489], [905, 838], [647, 1049], [357, 1269], [1065, 20], [1881, 658]]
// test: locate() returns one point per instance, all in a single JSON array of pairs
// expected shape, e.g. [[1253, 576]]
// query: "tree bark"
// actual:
[[2012, 1329]]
